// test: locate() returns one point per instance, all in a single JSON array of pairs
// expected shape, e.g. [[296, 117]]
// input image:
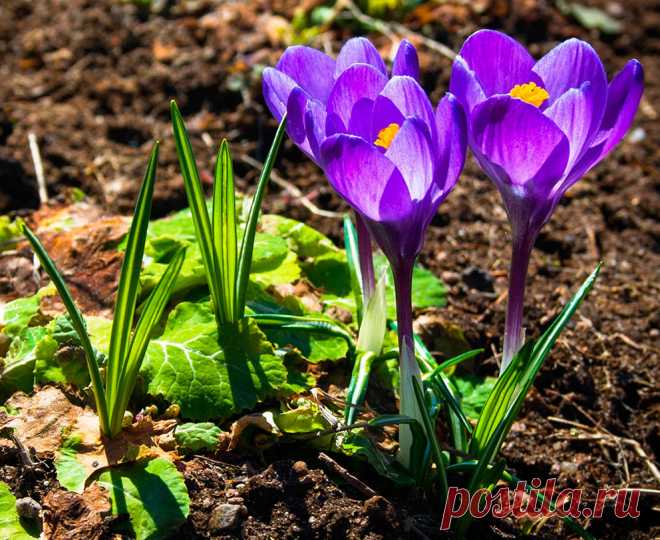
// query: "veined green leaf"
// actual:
[[151, 314], [247, 246], [152, 493], [195, 195], [78, 324], [224, 231], [11, 524], [129, 283]]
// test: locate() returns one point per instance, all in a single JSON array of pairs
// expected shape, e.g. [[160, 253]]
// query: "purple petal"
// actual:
[[311, 69], [295, 120], [567, 66], [623, 97], [315, 127], [520, 147], [451, 125], [464, 85], [573, 113], [360, 83], [411, 153], [401, 98], [276, 88], [358, 50], [363, 176], [498, 61], [406, 61]]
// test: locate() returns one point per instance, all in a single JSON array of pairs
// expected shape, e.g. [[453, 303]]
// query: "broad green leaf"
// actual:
[[17, 314], [78, 323], [188, 365], [152, 493], [193, 437], [359, 445], [58, 357], [304, 418], [18, 370], [11, 524], [10, 233], [71, 474], [314, 346], [331, 274], [304, 240], [474, 393]]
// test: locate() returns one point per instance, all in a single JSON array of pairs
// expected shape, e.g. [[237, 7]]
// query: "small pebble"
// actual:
[[235, 500], [568, 467], [225, 516], [450, 278], [28, 508], [300, 468]]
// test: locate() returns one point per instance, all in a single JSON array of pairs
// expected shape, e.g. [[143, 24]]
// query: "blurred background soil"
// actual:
[[93, 79]]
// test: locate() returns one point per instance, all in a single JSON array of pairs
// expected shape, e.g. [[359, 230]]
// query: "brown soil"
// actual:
[[92, 79]]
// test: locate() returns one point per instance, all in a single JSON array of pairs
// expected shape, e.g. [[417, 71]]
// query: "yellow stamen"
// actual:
[[530, 93], [386, 135]]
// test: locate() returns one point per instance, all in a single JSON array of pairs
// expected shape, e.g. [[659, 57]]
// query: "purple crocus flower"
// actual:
[[318, 93], [385, 151], [536, 128]]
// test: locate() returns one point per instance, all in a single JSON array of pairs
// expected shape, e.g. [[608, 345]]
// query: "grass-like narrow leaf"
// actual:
[[78, 324], [358, 386], [512, 480], [151, 314], [247, 246], [429, 431], [353, 261], [224, 231], [197, 203], [454, 361], [305, 324], [129, 282], [508, 394]]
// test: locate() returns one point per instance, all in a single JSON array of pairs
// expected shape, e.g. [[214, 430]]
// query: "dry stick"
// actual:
[[38, 167], [391, 29], [293, 190], [348, 477], [602, 434]]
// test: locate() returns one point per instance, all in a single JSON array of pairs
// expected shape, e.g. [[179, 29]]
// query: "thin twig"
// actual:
[[38, 167], [391, 29], [348, 477], [601, 433], [293, 190]]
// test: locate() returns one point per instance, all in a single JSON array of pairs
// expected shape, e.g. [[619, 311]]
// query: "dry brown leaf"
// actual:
[[47, 417], [70, 516]]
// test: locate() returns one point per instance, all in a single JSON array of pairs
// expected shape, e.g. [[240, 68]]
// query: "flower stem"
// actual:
[[366, 259], [408, 367], [513, 333]]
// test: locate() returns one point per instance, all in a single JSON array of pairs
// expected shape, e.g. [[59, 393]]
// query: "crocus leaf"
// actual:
[[11, 524], [193, 437], [210, 376], [153, 493]]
